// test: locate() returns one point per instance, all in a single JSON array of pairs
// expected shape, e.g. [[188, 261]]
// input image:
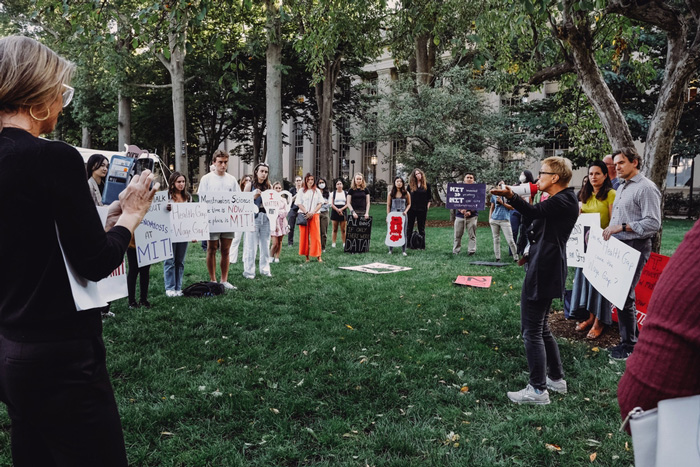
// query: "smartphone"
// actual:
[[118, 178], [143, 164]]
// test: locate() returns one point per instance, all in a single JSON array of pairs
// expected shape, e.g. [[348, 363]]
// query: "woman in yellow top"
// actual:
[[597, 195]]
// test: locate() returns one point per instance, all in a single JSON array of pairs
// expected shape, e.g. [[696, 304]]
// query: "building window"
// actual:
[[298, 149], [372, 86], [369, 153], [398, 146], [344, 148], [559, 142], [318, 155]]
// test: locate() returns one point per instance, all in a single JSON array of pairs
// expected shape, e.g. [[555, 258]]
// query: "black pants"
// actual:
[[414, 216], [627, 317], [61, 404], [135, 270], [541, 349], [292, 221]]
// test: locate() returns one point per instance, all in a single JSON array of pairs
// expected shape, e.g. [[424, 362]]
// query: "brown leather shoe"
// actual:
[[595, 333]]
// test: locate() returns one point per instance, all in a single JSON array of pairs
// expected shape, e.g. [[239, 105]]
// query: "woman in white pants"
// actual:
[[499, 220], [259, 239]]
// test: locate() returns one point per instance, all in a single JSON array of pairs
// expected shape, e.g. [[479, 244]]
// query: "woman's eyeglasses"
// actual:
[[547, 173], [67, 95]]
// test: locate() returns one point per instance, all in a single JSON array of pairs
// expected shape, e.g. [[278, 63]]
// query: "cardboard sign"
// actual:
[[395, 229], [357, 235], [230, 211], [466, 196], [610, 266], [88, 294], [377, 268], [274, 202], [189, 221], [152, 236], [647, 281], [481, 282], [577, 244]]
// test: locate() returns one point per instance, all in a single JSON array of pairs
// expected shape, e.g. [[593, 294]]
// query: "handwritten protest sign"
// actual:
[[577, 244], [466, 196], [395, 231], [274, 202], [377, 268], [482, 282], [358, 234], [230, 211], [610, 266], [189, 221], [88, 294], [647, 281], [152, 236]]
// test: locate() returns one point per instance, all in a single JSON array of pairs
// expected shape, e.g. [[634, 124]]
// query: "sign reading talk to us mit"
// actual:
[[471, 196], [230, 211], [152, 236]]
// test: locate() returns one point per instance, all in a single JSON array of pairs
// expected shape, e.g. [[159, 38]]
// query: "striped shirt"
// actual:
[[638, 204]]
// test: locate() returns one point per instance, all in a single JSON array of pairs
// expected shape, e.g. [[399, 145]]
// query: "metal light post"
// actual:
[[373, 162]]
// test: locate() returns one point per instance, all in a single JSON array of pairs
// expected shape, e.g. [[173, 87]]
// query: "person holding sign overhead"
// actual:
[[551, 224], [174, 268], [596, 196], [258, 239], [53, 375], [309, 199]]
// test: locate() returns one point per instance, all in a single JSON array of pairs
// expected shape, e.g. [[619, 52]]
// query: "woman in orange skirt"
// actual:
[[309, 199]]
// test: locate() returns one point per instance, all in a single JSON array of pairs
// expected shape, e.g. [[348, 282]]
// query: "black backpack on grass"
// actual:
[[417, 241], [203, 289]]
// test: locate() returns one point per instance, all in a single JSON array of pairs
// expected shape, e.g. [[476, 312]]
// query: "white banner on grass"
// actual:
[[578, 240], [610, 266], [230, 211], [88, 294], [377, 268], [188, 221], [152, 236]]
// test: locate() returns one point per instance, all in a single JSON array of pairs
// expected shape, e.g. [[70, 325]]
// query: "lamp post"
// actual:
[[373, 162]]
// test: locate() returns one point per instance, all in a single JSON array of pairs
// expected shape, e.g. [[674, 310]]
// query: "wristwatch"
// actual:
[[624, 227]]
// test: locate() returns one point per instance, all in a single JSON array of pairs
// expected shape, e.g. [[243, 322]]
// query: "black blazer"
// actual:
[[551, 223]]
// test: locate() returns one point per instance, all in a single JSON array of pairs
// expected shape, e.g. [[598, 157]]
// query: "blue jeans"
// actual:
[[174, 268], [541, 349]]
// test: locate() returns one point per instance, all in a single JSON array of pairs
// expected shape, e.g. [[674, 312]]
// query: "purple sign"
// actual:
[[466, 196]]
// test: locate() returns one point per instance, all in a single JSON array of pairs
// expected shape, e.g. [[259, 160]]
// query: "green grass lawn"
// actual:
[[322, 366]]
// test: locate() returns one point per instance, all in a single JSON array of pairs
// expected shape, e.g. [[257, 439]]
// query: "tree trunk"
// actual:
[[324, 101], [86, 141], [593, 84], [273, 93], [124, 122], [423, 66], [177, 76]]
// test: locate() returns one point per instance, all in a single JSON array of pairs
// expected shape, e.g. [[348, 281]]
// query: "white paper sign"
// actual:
[[274, 202], [395, 229], [577, 244], [610, 266], [189, 221], [88, 294], [152, 236], [230, 211], [377, 268]]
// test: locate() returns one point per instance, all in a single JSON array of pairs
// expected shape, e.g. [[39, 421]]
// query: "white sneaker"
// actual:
[[390, 252], [529, 396], [170, 293], [405, 254], [267, 274], [333, 245], [229, 286], [277, 260], [557, 386], [179, 293]]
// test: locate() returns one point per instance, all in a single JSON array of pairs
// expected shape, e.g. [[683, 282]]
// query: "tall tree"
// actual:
[[331, 33]]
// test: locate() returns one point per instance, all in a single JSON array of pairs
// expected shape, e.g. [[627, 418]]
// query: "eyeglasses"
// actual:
[[547, 173], [67, 95]]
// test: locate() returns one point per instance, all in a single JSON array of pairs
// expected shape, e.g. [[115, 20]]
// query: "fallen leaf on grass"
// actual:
[[552, 447], [167, 433], [274, 410], [593, 456], [349, 327], [221, 360], [464, 389], [595, 349], [593, 442]]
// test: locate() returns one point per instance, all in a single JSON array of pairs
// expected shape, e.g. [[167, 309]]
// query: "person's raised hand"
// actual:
[[506, 191], [136, 199]]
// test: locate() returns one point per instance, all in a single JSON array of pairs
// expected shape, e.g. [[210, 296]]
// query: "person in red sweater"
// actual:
[[664, 364]]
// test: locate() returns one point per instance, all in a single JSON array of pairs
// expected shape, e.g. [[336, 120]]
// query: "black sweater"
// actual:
[[43, 186]]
